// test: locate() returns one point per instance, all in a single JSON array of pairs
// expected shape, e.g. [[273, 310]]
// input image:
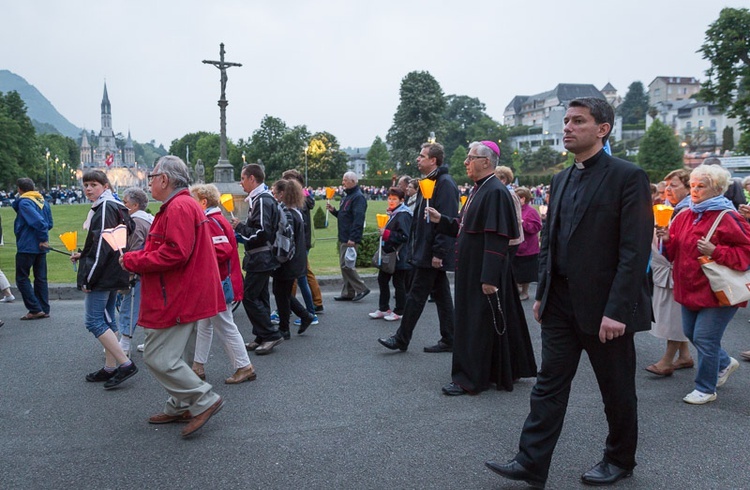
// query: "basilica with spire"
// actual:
[[107, 154]]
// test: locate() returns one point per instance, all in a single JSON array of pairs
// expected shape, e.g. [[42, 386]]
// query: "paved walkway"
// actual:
[[333, 409]]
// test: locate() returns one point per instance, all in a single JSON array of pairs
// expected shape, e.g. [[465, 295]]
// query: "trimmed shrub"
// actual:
[[319, 219]]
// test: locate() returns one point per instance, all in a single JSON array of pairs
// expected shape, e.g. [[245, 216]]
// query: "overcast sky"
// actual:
[[332, 65]]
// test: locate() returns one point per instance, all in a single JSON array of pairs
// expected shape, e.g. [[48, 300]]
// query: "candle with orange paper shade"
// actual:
[[382, 221], [227, 200], [70, 241], [427, 186], [463, 200], [662, 215], [330, 192]]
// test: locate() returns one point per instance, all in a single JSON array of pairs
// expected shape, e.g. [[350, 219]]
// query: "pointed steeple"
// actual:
[[129, 142], [84, 140], [106, 107]]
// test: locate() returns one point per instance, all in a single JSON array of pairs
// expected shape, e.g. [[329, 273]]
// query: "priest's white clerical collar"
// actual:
[[579, 165]]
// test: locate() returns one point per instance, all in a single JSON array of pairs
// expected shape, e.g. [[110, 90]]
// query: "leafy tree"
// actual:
[[66, 151], [461, 112], [635, 105], [180, 146], [540, 160], [20, 155], [743, 145], [659, 151], [457, 169], [278, 147], [727, 139], [378, 159], [325, 158], [727, 48], [419, 112]]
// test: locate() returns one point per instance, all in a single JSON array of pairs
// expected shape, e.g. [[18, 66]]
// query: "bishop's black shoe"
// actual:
[[393, 344], [513, 470], [605, 474]]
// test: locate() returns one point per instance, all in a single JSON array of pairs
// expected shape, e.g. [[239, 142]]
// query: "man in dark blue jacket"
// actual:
[[432, 255], [32, 225], [351, 216]]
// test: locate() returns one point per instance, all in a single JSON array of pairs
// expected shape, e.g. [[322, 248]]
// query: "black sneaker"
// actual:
[[285, 334], [319, 309], [304, 323], [100, 375], [121, 375]]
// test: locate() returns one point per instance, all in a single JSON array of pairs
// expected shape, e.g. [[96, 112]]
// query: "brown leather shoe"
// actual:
[[251, 346], [246, 373], [200, 420], [165, 418], [745, 355], [267, 347]]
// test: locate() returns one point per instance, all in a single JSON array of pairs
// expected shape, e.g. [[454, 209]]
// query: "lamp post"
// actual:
[[307, 147], [47, 156], [431, 140], [244, 161], [57, 162]]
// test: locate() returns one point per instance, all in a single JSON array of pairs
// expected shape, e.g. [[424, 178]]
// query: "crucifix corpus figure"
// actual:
[[222, 66]]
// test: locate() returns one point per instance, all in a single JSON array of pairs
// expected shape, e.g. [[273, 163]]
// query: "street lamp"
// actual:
[[57, 162], [431, 140], [244, 161], [307, 147], [47, 156]]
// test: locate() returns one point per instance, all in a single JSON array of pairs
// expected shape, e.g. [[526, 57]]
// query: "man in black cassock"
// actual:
[[491, 344], [593, 295]]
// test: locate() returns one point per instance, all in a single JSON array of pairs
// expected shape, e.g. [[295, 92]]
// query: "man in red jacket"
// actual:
[[180, 285]]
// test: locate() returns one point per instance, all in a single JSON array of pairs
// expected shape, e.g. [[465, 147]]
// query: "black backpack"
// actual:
[[283, 246]]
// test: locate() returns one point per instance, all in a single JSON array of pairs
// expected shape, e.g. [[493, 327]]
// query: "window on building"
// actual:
[[713, 124], [689, 125], [700, 123]]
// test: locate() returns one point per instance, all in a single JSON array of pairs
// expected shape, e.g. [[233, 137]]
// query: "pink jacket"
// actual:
[[226, 250], [179, 272]]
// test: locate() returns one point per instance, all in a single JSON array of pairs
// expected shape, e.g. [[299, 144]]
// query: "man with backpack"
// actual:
[[259, 234]]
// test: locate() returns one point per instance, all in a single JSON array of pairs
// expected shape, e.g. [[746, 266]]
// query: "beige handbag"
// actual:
[[730, 287]]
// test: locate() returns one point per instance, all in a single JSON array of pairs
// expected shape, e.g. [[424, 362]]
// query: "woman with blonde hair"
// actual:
[[704, 318], [230, 272]]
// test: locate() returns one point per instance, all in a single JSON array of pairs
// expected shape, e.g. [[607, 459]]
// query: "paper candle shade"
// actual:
[[330, 192], [70, 240], [463, 200], [427, 186], [382, 220], [116, 237], [662, 215], [227, 200]]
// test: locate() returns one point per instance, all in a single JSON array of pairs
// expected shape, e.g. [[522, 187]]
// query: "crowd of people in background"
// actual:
[[179, 272]]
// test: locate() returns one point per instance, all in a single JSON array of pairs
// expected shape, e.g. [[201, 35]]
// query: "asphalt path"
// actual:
[[334, 409]]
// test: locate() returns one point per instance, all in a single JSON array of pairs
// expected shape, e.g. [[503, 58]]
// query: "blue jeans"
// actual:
[[128, 318], [705, 328], [99, 309], [36, 299]]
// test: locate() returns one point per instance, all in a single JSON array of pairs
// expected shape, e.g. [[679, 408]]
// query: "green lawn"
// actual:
[[323, 256]]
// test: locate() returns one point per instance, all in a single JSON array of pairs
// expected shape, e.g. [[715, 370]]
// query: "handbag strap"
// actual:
[[715, 225]]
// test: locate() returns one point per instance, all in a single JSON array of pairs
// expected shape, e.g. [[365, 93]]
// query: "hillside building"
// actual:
[[543, 114], [664, 89]]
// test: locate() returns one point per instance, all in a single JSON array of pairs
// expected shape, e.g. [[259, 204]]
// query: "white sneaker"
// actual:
[[8, 299], [724, 373], [140, 348], [392, 317], [377, 314], [696, 397]]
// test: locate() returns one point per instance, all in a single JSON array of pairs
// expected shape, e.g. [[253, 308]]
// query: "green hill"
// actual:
[[42, 113]]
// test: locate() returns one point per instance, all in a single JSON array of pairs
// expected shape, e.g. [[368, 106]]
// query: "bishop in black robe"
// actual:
[[492, 342]]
